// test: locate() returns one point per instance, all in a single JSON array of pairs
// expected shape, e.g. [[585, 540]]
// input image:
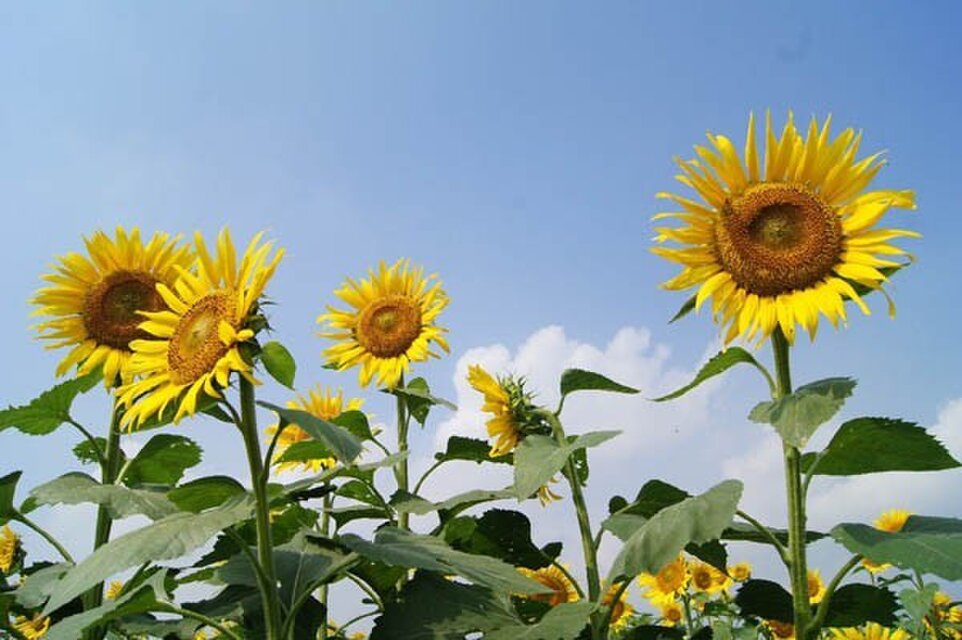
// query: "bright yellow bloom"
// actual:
[[871, 631], [93, 301], [114, 589], [9, 542], [562, 589], [781, 630], [671, 613], [669, 582], [194, 343], [740, 572], [502, 427], [32, 628], [318, 402], [816, 588], [391, 325], [621, 610], [706, 578], [892, 521], [776, 243]]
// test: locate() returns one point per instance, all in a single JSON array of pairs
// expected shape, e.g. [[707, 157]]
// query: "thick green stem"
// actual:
[[401, 468], [265, 547], [798, 569], [326, 532]]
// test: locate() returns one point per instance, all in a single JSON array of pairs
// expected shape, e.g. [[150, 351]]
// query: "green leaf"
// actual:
[[720, 362], [765, 599], [121, 502], [684, 310], [345, 445], [279, 363], [50, 409], [744, 532], [404, 549], [563, 622], [925, 544], [166, 539], [305, 451], [205, 493], [855, 604], [418, 407], [538, 458], [360, 491], [581, 380], [32, 593], [163, 460], [419, 391], [499, 533], [654, 496], [872, 445], [918, 602], [693, 520], [8, 490], [798, 415], [405, 502], [86, 453], [356, 422], [471, 449]]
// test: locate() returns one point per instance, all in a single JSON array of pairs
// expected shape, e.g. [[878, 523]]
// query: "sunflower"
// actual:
[[816, 588], [562, 589], [621, 610], [9, 543], [740, 572], [193, 345], [546, 494], [891, 521], [503, 426], [671, 613], [114, 589], [668, 583], [318, 402], [32, 628], [872, 631], [391, 325], [779, 244], [706, 578], [93, 301], [781, 630]]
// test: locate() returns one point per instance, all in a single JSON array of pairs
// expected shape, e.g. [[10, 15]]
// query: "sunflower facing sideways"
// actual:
[[193, 344], [93, 300], [391, 323], [776, 242]]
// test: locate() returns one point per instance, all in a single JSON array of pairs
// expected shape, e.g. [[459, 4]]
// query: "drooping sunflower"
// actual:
[[871, 631], [318, 402], [193, 345], [93, 300], [390, 325], [562, 589], [780, 242], [9, 544], [502, 427], [891, 521], [667, 584], [32, 628]]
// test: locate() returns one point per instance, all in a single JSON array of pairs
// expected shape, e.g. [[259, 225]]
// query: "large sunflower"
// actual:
[[318, 402], [778, 244], [193, 345], [391, 324], [93, 300]]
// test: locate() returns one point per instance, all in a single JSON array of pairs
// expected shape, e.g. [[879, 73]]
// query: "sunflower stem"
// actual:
[[265, 547], [326, 532], [797, 569], [46, 535], [401, 468]]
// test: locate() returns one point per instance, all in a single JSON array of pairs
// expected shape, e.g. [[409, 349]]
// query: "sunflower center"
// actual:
[[110, 308], [196, 346], [702, 579], [669, 578], [778, 237], [387, 327]]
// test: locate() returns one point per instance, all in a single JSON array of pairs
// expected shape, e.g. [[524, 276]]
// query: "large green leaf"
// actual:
[[279, 363], [404, 549], [798, 415], [871, 445], [418, 390], [693, 520], [33, 593], [855, 604], [163, 460], [499, 533], [581, 380], [406, 502], [719, 363], [121, 502], [88, 452], [471, 449], [172, 537], [8, 492], [765, 599], [538, 458], [925, 544], [563, 622], [345, 445], [50, 409], [205, 493]]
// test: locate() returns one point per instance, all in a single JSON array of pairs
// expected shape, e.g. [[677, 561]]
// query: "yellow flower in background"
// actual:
[[502, 427], [546, 496], [891, 521], [621, 609], [816, 588], [32, 628], [391, 323], [562, 589], [9, 543], [781, 630], [671, 613], [740, 572], [318, 402], [669, 582], [706, 578], [779, 242], [871, 631], [114, 589], [193, 345], [93, 300]]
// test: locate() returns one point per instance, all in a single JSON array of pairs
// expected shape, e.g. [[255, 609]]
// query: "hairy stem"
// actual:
[[401, 468], [326, 532]]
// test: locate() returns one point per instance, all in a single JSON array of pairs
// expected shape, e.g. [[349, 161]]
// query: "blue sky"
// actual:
[[514, 148]]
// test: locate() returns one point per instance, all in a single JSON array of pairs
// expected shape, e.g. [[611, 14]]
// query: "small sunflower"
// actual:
[[667, 584], [9, 544], [671, 613], [816, 588], [93, 301], [740, 572], [562, 589], [621, 609], [114, 589], [871, 631], [32, 628], [502, 426], [318, 402], [779, 244], [706, 578], [391, 325], [193, 345]]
